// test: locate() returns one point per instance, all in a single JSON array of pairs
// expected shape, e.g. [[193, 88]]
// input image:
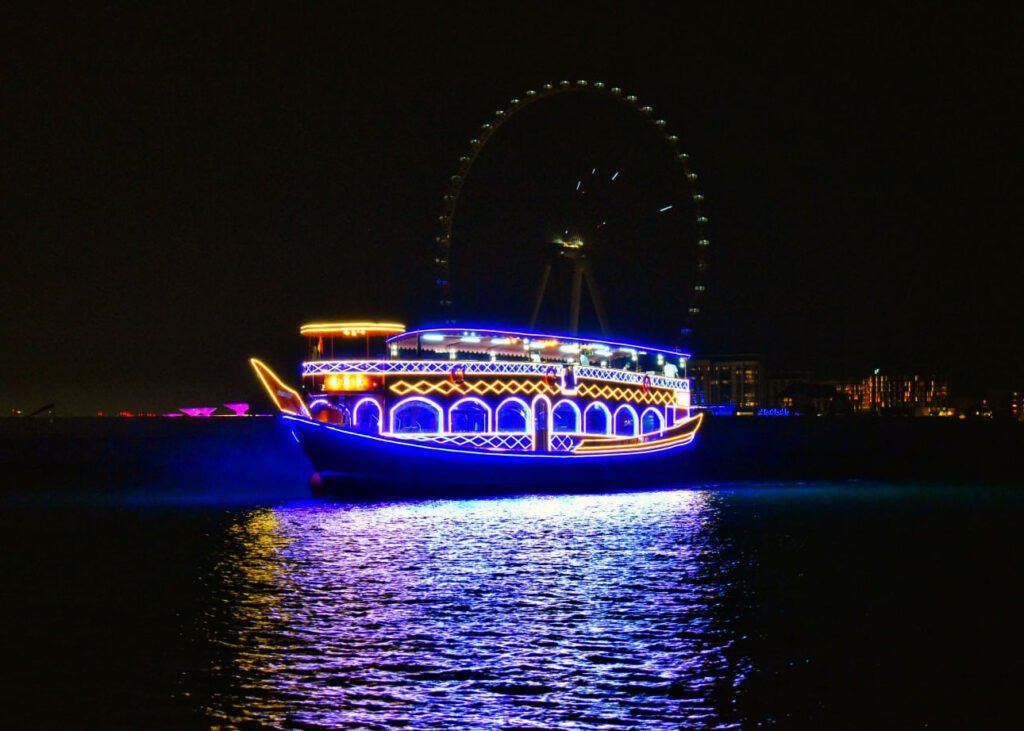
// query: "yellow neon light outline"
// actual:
[[680, 440], [478, 387], [352, 329], [266, 375], [656, 396], [687, 428]]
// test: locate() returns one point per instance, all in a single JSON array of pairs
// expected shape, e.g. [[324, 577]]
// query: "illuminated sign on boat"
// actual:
[[349, 382]]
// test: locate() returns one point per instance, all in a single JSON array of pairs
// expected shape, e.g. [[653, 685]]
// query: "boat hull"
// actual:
[[361, 466]]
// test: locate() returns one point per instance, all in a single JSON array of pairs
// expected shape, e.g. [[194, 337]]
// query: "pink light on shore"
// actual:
[[239, 409], [203, 411]]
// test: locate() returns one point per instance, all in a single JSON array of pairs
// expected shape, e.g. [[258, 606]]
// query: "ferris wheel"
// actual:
[[694, 294]]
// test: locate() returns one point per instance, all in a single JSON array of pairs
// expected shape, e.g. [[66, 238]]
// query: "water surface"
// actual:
[[787, 606]]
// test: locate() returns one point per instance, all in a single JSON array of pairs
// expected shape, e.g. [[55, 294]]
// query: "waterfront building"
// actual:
[[814, 399], [733, 382], [737, 384], [778, 383], [884, 393]]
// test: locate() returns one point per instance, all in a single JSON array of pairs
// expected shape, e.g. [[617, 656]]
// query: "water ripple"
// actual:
[[538, 612]]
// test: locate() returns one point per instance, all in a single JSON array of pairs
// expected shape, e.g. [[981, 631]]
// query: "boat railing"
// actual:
[[423, 367]]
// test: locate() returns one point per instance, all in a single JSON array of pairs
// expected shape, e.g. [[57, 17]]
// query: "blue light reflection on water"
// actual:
[[567, 612]]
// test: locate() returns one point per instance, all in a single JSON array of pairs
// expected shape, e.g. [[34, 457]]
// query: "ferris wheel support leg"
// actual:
[[577, 292], [595, 297], [540, 296]]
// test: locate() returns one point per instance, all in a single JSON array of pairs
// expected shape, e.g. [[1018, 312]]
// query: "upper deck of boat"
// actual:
[[464, 343], [344, 346]]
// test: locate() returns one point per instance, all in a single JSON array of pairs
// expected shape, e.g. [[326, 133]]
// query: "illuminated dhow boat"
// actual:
[[467, 410]]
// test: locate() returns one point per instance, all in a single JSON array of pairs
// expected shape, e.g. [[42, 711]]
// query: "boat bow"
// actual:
[[286, 399]]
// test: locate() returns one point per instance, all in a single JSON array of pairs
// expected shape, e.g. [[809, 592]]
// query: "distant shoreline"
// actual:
[[257, 456]]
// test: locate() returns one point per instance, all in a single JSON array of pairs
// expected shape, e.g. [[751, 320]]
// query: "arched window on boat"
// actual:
[[415, 416], [323, 410], [469, 415], [651, 420], [512, 416], [366, 416], [626, 422], [566, 416], [597, 419]]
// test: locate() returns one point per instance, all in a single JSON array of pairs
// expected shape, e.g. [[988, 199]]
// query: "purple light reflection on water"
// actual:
[[567, 612]]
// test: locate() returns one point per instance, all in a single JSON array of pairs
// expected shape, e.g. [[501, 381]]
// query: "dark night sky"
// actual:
[[182, 191]]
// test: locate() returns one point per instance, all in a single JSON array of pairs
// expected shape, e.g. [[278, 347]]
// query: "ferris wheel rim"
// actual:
[[457, 181]]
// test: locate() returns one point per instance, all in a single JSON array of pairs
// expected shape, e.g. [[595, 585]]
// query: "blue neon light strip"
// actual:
[[504, 368], [636, 451], [491, 332]]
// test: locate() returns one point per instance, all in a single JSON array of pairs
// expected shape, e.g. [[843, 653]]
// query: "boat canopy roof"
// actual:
[[351, 329], [517, 344]]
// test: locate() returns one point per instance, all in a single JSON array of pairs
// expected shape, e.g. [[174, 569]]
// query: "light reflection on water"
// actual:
[[536, 612]]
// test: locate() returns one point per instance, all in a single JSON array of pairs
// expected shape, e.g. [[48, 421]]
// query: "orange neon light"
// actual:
[[351, 329], [286, 399], [349, 382]]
